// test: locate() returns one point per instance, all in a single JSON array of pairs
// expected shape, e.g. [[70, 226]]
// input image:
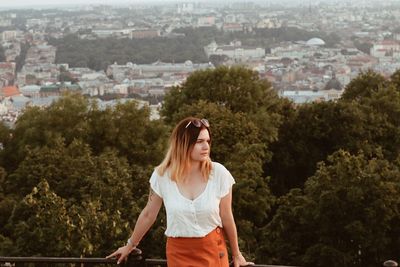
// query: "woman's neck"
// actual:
[[194, 167]]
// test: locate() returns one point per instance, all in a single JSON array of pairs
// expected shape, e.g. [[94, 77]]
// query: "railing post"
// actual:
[[390, 263]]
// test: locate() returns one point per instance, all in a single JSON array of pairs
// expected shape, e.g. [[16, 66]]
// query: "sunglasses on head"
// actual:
[[197, 123]]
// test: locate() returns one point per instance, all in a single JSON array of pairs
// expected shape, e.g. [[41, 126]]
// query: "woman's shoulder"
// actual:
[[158, 175], [218, 168], [224, 179]]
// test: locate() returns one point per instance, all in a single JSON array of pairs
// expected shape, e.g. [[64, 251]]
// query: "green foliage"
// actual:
[[342, 218], [365, 119], [20, 59], [40, 224], [74, 117], [2, 56], [395, 79], [84, 184], [310, 134], [364, 47], [67, 171], [4, 134], [363, 86], [99, 53], [238, 89]]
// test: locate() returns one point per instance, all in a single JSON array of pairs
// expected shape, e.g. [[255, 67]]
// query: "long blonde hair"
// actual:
[[181, 143]]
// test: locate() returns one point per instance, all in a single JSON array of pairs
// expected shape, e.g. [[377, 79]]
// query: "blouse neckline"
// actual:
[[197, 197]]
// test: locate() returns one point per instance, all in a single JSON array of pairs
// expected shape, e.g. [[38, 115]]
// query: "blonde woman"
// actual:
[[197, 195]]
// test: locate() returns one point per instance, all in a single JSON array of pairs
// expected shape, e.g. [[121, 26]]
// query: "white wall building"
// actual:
[[308, 96], [234, 51]]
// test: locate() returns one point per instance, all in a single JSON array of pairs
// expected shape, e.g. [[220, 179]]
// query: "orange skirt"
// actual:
[[208, 251]]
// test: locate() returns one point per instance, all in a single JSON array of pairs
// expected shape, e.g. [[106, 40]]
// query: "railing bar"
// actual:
[[56, 260], [74, 261], [161, 261]]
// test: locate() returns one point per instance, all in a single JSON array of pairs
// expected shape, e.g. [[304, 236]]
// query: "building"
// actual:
[[315, 42], [235, 51], [232, 27], [9, 91], [308, 96], [8, 35], [386, 48], [208, 21], [145, 33]]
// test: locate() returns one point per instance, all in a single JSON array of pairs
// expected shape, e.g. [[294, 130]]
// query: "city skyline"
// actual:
[[54, 3]]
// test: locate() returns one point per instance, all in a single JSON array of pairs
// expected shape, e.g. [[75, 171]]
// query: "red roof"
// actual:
[[6, 65], [389, 42], [9, 91]]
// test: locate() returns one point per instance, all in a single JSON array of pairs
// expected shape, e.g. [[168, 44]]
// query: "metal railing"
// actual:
[[135, 259]]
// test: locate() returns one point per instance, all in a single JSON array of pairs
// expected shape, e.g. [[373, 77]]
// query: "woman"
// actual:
[[197, 195]]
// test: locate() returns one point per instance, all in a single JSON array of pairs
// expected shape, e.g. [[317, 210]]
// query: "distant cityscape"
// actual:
[[360, 36]]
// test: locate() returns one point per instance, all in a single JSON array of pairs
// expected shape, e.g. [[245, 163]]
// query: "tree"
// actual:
[[38, 127], [238, 89], [363, 86], [380, 99], [395, 79], [344, 217], [2, 56], [87, 156], [40, 225], [129, 130], [126, 127], [218, 60], [311, 133], [365, 119], [84, 190]]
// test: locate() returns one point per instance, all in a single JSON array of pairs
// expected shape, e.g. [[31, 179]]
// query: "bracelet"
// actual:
[[129, 243]]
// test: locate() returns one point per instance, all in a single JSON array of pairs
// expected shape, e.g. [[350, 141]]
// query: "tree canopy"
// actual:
[[99, 53], [346, 215]]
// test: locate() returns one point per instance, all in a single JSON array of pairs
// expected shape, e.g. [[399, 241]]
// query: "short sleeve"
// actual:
[[155, 183], [226, 181]]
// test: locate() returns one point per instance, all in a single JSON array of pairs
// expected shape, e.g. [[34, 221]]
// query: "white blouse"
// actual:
[[198, 217]]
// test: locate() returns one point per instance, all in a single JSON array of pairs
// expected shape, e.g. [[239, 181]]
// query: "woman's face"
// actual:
[[201, 149]]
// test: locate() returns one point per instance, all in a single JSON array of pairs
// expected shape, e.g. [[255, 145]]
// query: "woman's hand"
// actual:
[[239, 260], [121, 254]]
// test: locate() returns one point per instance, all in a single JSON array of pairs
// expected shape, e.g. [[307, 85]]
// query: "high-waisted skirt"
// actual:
[[208, 251]]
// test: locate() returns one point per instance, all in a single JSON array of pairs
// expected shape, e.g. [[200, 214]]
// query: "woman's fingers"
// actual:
[[120, 259], [112, 254], [120, 254]]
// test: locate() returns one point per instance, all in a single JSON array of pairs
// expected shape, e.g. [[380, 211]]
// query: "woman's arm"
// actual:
[[228, 222], [146, 219]]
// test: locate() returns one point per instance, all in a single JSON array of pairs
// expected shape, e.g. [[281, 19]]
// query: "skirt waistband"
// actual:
[[213, 235]]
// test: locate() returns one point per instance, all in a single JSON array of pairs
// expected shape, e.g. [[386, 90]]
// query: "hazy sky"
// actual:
[[30, 3], [21, 3]]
